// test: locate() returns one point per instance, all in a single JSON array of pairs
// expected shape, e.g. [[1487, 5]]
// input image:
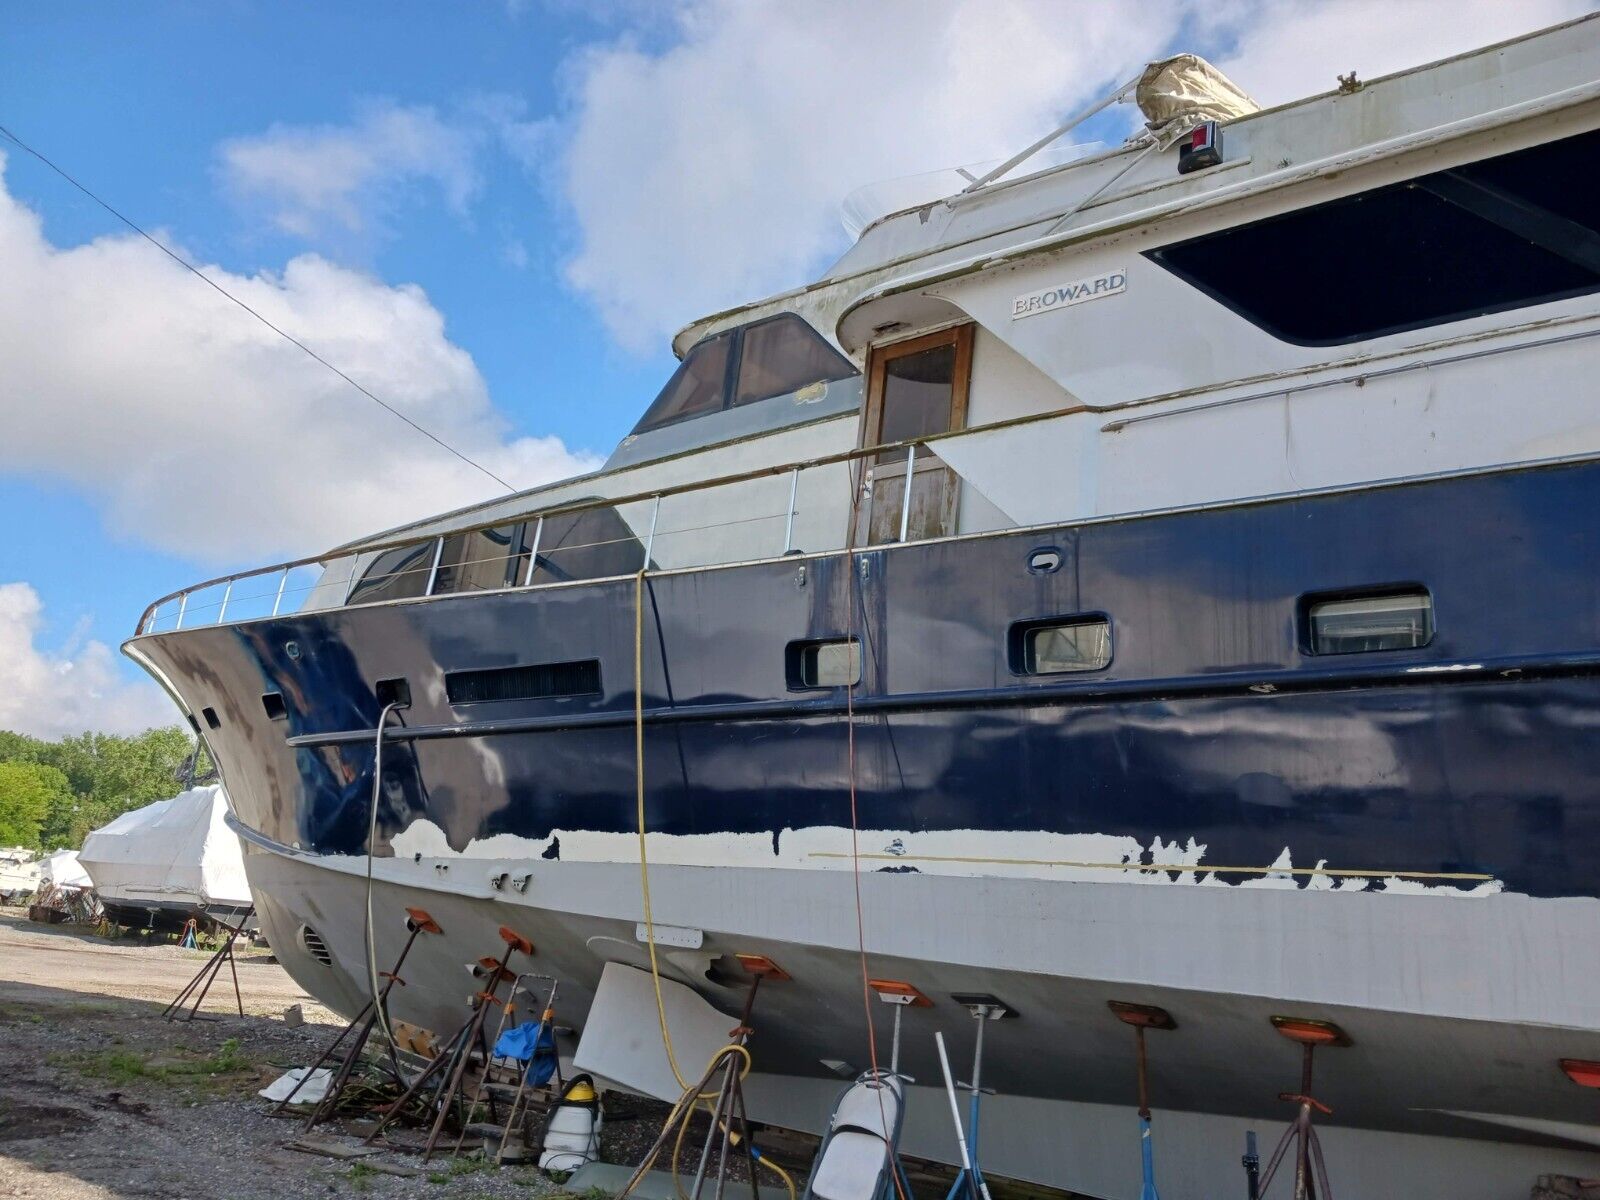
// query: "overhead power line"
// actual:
[[288, 337]]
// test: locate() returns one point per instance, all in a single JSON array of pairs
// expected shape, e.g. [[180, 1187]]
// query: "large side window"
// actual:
[[782, 356], [593, 544], [482, 560], [1507, 232], [396, 574], [696, 387]]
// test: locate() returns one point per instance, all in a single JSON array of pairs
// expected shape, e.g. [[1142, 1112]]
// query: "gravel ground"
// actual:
[[101, 1098]]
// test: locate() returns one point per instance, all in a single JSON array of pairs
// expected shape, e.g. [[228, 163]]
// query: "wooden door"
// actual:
[[915, 388]]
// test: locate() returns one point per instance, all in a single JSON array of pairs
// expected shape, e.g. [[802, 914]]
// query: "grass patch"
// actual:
[[466, 1165], [128, 1066], [361, 1175]]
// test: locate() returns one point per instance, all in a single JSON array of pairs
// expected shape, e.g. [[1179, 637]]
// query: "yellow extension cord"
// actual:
[[690, 1096]]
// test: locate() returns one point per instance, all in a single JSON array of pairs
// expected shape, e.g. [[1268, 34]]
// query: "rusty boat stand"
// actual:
[[450, 1064], [1308, 1034], [207, 975], [417, 922]]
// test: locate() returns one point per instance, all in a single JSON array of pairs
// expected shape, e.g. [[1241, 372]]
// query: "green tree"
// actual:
[[104, 775], [30, 794]]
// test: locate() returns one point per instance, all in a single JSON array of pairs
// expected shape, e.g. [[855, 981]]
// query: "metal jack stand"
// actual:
[[970, 1182], [727, 1103], [1142, 1017], [209, 973], [1309, 1035], [417, 922], [451, 1062]]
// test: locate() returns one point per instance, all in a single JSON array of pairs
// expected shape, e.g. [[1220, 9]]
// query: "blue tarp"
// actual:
[[530, 1042]]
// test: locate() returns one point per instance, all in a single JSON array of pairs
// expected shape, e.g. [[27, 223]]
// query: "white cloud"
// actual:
[[318, 179], [1285, 50], [710, 172], [202, 432], [78, 687]]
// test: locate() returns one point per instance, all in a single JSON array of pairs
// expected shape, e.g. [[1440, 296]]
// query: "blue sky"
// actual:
[[493, 214]]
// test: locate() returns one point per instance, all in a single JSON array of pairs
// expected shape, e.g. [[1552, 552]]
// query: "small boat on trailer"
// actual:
[[176, 859], [1167, 577]]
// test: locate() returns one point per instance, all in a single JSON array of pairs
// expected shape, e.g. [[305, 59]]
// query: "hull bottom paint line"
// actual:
[[1458, 1011]]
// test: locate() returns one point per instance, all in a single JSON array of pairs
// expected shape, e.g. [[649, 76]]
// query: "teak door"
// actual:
[[915, 388]]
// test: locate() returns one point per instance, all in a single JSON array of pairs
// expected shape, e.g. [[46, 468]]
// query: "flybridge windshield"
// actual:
[[775, 357]]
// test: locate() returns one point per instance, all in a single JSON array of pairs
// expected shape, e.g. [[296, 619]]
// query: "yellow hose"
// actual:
[[691, 1096]]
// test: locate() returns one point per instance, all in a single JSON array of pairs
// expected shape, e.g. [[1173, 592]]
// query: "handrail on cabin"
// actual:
[[1365, 368]]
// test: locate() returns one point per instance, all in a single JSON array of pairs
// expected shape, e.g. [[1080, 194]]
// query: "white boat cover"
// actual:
[[62, 868], [169, 854], [1178, 93]]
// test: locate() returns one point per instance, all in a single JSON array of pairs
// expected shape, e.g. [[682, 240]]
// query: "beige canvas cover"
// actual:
[[1178, 93]]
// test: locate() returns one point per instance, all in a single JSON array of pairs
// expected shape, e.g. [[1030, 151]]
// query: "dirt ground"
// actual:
[[101, 1098]]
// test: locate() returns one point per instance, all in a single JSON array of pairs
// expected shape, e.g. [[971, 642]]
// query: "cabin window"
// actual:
[[834, 663], [1503, 233], [1358, 624], [482, 560], [396, 574], [1062, 647], [537, 681], [782, 356], [696, 387], [593, 544]]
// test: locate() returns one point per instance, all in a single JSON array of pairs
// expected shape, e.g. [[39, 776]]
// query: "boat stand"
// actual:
[[1142, 1017], [417, 922], [727, 1106], [970, 1183], [447, 1067], [208, 974], [1308, 1034]]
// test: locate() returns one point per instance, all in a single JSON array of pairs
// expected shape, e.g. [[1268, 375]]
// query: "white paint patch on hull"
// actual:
[[1077, 857]]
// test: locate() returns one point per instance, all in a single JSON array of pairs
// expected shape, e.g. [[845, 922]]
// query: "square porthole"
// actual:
[[1062, 646], [272, 704], [824, 664], [1400, 619]]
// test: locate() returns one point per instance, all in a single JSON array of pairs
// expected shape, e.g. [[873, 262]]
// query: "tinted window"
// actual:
[[783, 355], [696, 387], [918, 396], [1511, 231], [395, 575], [482, 560], [1402, 621], [537, 682], [835, 663], [1064, 647], [594, 544]]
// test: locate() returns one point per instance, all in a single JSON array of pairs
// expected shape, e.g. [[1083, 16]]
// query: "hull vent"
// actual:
[[537, 681], [315, 946]]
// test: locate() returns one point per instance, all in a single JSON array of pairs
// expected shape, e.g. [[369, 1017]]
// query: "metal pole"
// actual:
[[650, 541], [433, 571], [283, 581], [533, 552], [183, 603], [227, 594], [788, 523], [905, 496], [1018, 159]]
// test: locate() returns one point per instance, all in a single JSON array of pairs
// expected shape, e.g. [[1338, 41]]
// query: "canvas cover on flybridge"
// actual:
[[170, 854]]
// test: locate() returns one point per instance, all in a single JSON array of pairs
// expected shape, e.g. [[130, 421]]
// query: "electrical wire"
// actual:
[[372, 837], [290, 338]]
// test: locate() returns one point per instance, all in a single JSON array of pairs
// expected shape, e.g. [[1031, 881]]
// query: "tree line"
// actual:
[[53, 793]]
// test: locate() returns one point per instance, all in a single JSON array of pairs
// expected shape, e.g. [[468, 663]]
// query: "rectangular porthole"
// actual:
[[1401, 620], [212, 720], [1067, 646], [272, 705], [537, 681], [833, 663]]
